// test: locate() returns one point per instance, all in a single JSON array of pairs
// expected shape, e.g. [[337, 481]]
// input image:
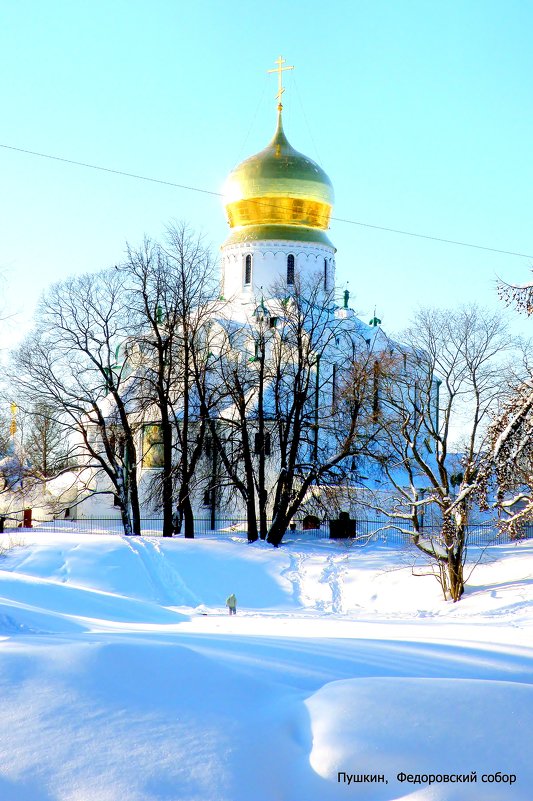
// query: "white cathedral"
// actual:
[[278, 204]]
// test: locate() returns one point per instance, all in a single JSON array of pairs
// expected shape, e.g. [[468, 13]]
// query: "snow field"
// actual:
[[123, 677]]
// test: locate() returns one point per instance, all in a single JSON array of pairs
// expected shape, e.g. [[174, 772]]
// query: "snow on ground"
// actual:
[[122, 678]]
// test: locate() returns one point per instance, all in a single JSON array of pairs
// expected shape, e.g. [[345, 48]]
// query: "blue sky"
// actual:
[[420, 113]]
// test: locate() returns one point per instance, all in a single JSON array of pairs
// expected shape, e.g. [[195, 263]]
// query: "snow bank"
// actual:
[[122, 676], [424, 726]]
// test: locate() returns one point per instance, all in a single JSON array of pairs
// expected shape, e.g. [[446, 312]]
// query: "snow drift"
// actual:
[[122, 677]]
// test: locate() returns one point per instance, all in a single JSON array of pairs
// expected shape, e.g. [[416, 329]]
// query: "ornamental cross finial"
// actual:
[[280, 69]]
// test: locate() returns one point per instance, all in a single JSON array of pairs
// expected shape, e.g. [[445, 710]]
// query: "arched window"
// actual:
[[290, 269], [152, 446], [325, 273], [248, 270]]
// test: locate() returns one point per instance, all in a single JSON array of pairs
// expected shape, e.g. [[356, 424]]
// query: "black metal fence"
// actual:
[[392, 531]]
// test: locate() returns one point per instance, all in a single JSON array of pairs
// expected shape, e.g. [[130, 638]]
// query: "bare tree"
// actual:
[[321, 392], [75, 363], [511, 456], [233, 405], [19, 480], [171, 288], [6, 438], [518, 295], [435, 398], [511, 452], [296, 404], [44, 440]]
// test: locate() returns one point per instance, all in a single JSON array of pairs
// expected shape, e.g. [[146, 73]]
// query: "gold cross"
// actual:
[[280, 69]]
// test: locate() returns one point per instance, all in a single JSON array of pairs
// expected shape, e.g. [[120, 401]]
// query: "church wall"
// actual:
[[269, 266]]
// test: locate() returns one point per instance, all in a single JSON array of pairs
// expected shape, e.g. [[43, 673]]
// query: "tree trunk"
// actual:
[[213, 487], [184, 505], [251, 513], [262, 494], [128, 495], [122, 497], [251, 518], [167, 489], [126, 522], [263, 526], [455, 576], [277, 530], [188, 518], [134, 495]]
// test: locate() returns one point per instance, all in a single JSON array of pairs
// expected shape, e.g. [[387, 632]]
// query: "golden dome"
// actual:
[[278, 187]]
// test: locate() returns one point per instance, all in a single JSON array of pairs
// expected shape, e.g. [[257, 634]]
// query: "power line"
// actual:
[[108, 169], [219, 194], [434, 238]]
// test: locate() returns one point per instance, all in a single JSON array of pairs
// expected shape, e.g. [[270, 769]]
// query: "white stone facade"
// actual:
[[269, 267]]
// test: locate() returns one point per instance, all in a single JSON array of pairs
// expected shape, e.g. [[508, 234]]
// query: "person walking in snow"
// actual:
[[231, 603]]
